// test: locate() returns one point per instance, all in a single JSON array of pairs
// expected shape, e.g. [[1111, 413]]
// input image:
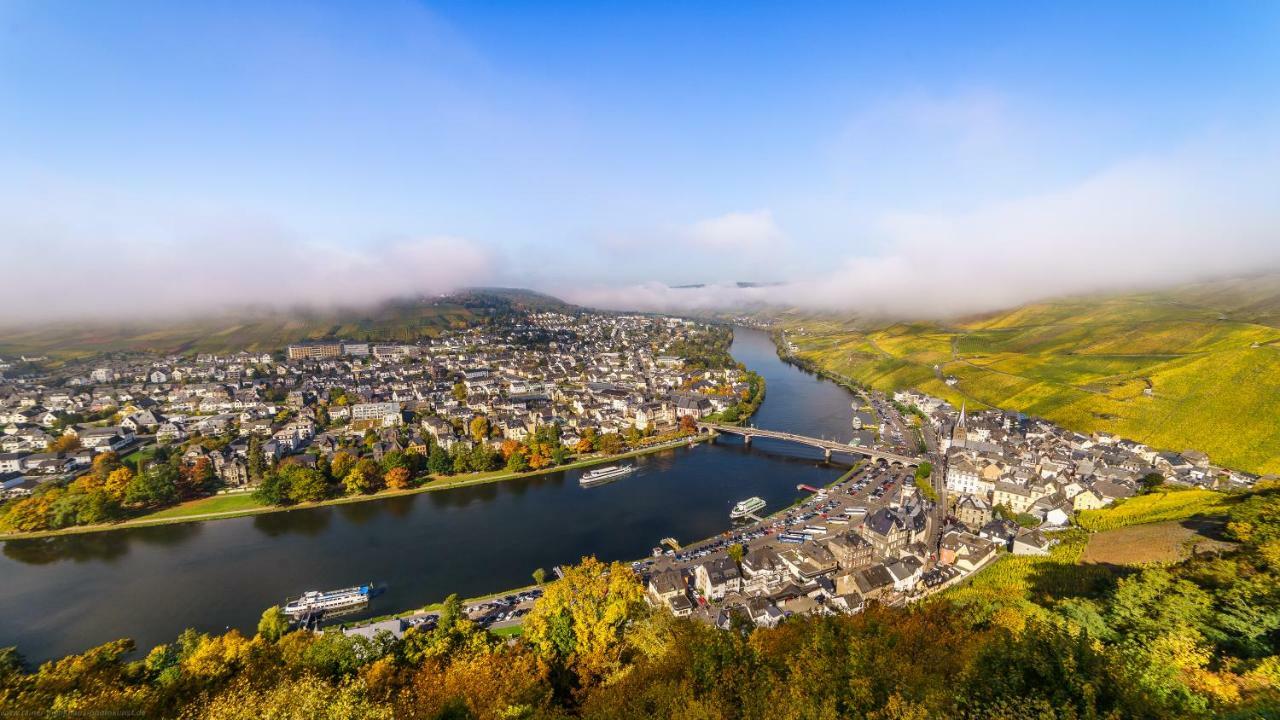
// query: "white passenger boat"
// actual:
[[605, 474], [315, 601], [746, 507]]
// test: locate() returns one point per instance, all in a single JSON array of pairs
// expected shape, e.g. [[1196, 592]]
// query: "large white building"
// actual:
[[374, 411], [963, 478]]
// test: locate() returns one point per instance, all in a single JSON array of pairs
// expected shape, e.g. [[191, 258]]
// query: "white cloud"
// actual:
[[1146, 223], [737, 231], [105, 256]]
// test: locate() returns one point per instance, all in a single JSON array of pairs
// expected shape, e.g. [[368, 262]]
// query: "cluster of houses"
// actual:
[[882, 556], [1011, 482], [1030, 467], [581, 371]]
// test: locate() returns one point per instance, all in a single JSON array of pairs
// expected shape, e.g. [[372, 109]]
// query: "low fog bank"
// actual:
[[1142, 225]]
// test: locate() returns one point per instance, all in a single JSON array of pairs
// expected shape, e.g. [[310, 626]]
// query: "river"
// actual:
[[66, 594]]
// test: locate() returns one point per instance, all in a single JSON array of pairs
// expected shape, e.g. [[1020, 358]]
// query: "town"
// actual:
[[994, 482], [107, 437]]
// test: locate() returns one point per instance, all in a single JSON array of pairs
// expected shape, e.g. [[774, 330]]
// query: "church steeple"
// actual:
[[959, 433]]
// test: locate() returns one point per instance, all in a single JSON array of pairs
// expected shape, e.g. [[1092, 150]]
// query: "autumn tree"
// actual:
[[196, 479], [397, 478], [64, 443], [104, 464], [117, 483], [518, 462], [736, 552], [479, 428], [341, 464], [611, 443], [357, 482], [509, 447], [581, 620]]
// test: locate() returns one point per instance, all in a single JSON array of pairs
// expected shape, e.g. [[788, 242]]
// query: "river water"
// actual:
[[64, 595]]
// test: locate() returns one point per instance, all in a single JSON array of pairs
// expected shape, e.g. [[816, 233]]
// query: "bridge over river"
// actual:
[[826, 446]]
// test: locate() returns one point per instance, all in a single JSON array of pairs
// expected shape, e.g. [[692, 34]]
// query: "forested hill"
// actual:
[[1195, 367], [271, 329]]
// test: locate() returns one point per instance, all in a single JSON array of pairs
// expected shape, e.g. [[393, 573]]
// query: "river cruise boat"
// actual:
[[317, 602], [746, 507], [605, 474]]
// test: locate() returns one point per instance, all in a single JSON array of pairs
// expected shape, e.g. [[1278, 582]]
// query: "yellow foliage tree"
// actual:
[[581, 619], [116, 483]]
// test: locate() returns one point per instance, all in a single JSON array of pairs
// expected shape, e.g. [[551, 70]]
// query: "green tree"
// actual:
[[257, 463], [611, 443], [273, 490], [438, 463], [460, 392], [518, 462], [451, 612], [273, 624], [539, 576], [304, 484], [157, 486], [923, 477]]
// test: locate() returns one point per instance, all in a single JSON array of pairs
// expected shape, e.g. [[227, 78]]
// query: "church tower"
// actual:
[[960, 433]]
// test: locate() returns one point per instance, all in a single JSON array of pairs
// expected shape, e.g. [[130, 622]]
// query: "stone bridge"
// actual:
[[826, 446]]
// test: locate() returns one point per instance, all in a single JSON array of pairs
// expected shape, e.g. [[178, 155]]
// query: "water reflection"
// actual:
[[310, 522]]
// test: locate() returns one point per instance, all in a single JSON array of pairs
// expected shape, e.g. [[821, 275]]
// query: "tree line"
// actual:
[[1193, 639]]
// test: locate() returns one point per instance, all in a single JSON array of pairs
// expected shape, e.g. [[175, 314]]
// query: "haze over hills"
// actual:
[[1196, 366], [260, 329]]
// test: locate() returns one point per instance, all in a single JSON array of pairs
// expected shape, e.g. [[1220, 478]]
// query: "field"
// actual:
[[217, 504], [1017, 582], [1156, 528], [1156, 507], [1194, 368], [1161, 542]]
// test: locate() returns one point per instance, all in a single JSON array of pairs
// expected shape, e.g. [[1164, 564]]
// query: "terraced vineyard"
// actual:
[[1197, 367]]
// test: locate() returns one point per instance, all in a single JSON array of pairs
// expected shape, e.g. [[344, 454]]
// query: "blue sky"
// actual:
[[602, 149]]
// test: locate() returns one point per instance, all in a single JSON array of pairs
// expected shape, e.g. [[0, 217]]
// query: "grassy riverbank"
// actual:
[[221, 507]]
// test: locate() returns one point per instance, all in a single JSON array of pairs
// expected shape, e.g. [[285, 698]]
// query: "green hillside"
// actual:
[[271, 329], [1195, 367]]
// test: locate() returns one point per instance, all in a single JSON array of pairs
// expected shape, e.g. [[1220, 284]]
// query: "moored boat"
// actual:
[[316, 602], [746, 507]]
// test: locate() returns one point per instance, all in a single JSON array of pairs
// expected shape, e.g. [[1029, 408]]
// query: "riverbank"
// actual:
[[229, 505]]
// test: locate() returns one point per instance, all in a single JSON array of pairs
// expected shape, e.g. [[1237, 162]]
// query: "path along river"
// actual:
[[66, 594]]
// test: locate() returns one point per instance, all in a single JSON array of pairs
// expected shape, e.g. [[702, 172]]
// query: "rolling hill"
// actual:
[[270, 329], [1192, 367]]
